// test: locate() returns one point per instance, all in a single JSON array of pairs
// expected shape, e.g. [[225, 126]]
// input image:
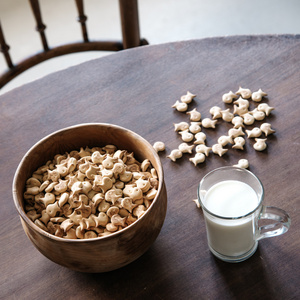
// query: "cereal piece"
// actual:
[[187, 98], [63, 199], [185, 148], [151, 194], [40, 224], [224, 140], [109, 149], [200, 138], [215, 111], [130, 219], [139, 211], [242, 102], [90, 234], [127, 189], [180, 106], [113, 210], [127, 204], [218, 149], [143, 184], [62, 169], [227, 116], [203, 149], [159, 146], [108, 162], [71, 164], [70, 234], [233, 132], [248, 119], [266, 129], [53, 175], [126, 176], [175, 154], [33, 215], [239, 143], [257, 96], [113, 195], [254, 133], [264, 107], [91, 172], [119, 167], [62, 186], [48, 198], [181, 126], [83, 152], [197, 202], [66, 225], [260, 144], [117, 220], [195, 127], [245, 93], [197, 159], [104, 183], [97, 157], [240, 110], [79, 232], [237, 122], [195, 116], [136, 194], [45, 218], [228, 97], [242, 163], [258, 115], [101, 220], [186, 136], [111, 227], [208, 123], [31, 182], [84, 210], [53, 209], [60, 219]]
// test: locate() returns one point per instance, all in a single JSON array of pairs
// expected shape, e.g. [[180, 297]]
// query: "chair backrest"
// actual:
[[130, 38]]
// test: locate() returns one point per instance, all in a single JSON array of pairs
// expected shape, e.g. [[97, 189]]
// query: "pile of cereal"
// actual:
[[90, 193], [240, 117]]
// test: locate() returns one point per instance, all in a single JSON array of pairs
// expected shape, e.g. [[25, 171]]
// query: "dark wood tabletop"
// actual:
[[136, 89]]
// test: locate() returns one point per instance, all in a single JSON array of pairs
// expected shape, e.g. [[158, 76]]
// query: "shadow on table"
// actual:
[[248, 279], [137, 280]]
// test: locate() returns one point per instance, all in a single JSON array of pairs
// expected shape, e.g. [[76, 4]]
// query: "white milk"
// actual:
[[230, 198]]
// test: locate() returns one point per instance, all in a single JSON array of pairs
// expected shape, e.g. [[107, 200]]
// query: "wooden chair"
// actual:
[[130, 38]]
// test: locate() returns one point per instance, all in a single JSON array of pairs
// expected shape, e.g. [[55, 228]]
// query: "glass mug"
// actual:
[[231, 199]]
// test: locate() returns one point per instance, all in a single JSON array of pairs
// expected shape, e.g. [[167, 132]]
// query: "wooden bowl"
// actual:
[[100, 254]]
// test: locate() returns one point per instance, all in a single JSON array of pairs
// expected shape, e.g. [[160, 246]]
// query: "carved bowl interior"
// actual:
[[99, 254]]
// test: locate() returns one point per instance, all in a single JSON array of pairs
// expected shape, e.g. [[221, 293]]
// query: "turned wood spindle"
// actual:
[[82, 19], [4, 48], [40, 27]]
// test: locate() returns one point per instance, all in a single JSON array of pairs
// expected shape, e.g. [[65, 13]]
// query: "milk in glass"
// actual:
[[230, 199]]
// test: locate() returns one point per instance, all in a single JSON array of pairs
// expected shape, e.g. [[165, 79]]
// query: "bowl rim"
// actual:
[[31, 224]]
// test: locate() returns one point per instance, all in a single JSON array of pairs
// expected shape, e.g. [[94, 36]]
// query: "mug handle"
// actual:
[[281, 224]]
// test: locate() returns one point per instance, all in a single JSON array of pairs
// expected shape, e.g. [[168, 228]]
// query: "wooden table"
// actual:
[[136, 89]]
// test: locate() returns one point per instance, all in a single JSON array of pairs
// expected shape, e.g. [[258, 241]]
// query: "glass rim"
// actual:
[[237, 169]]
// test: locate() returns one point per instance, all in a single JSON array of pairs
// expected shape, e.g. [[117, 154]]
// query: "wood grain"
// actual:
[[136, 88]]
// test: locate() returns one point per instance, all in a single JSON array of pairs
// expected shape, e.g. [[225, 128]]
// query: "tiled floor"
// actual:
[[160, 21]]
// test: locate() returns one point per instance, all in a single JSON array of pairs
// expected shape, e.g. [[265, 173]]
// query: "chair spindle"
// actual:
[[130, 23], [4, 48], [82, 19], [40, 27]]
